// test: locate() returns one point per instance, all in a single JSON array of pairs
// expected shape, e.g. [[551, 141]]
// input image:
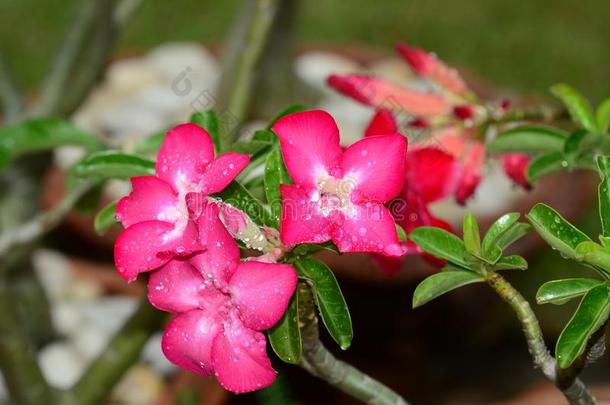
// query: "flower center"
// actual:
[[179, 213], [334, 194]]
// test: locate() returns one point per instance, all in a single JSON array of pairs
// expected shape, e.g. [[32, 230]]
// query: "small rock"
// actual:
[[90, 340], [54, 272], [140, 386], [109, 313], [153, 355], [315, 67], [61, 365]]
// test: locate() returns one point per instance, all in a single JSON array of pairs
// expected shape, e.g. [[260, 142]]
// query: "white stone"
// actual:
[[67, 317], [61, 365], [140, 386], [315, 67], [54, 272], [153, 355], [109, 313]]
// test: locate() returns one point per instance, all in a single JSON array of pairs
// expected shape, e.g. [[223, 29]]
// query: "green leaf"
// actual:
[[594, 254], [289, 110], [602, 115], [514, 233], [579, 142], [40, 135], [402, 235], [511, 263], [440, 243], [578, 107], [105, 218], [112, 164], [329, 299], [265, 135], [441, 283], [307, 249], [150, 145], [545, 164], [529, 139], [591, 314], [497, 230], [209, 121], [285, 336], [236, 195], [275, 174], [561, 291], [556, 230], [249, 147], [472, 238], [603, 193]]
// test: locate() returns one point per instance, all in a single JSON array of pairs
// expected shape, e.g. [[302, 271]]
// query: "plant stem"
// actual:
[[43, 222], [318, 361], [23, 377], [120, 354], [9, 96], [575, 392], [241, 62]]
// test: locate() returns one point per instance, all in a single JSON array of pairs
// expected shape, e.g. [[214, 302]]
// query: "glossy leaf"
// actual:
[[275, 174], [249, 147], [603, 193], [556, 230], [105, 218], [472, 238], [577, 144], [560, 291], [594, 254], [288, 110], [285, 336], [513, 234], [511, 263], [40, 135], [591, 314], [112, 164], [265, 135], [497, 230], [441, 283], [306, 249], [236, 195], [329, 299], [545, 164], [578, 107], [602, 116], [209, 121], [441, 244], [529, 139]]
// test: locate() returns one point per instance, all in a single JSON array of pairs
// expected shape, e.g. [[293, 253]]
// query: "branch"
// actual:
[[242, 61], [575, 392], [42, 223], [23, 377], [9, 96], [319, 362], [120, 354]]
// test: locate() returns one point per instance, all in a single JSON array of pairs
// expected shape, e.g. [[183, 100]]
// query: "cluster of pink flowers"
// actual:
[[221, 304]]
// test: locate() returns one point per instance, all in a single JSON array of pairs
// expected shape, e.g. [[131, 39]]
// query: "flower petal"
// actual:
[[383, 123], [381, 93], [222, 171], [221, 257], [148, 245], [377, 164], [240, 359], [261, 292], [370, 229], [515, 167], [429, 66], [389, 265], [301, 220], [184, 155], [188, 340], [433, 173], [150, 197], [175, 287], [310, 143], [472, 172]]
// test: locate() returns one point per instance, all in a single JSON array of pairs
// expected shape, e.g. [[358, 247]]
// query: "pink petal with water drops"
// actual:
[[148, 245], [382, 93], [222, 171], [240, 359], [175, 287], [188, 340], [221, 256], [301, 220], [382, 123], [261, 292], [377, 164], [149, 197], [184, 155], [310, 144], [370, 229]]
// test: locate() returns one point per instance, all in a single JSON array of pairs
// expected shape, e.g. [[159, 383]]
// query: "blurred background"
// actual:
[[465, 347]]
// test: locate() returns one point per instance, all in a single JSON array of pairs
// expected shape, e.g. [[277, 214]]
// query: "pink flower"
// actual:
[[515, 167], [339, 195], [429, 66], [156, 214], [382, 93], [221, 305]]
